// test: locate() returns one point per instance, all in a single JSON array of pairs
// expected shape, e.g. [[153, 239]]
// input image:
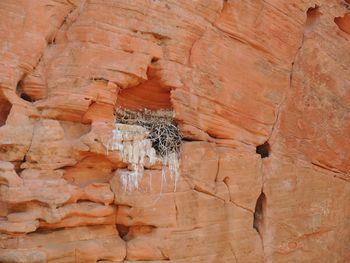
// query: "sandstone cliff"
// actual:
[[260, 89]]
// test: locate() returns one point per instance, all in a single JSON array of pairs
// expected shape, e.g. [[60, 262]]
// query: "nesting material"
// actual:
[[146, 134]]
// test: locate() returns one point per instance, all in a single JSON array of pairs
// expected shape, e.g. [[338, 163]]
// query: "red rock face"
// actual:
[[260, 89]]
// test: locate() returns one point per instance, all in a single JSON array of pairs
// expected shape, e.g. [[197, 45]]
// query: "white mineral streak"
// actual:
[[172, 163], [131, 141]]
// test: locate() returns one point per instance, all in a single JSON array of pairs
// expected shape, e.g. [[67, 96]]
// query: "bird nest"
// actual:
[[163, 132]]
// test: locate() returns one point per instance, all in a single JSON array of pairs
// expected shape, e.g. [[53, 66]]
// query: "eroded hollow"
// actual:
[[343, 23], [259, 213], [123, 230], [263, 150], [146, 130], [151, 94], [312, 16], [5, 108], [149, 105], [22, 94]]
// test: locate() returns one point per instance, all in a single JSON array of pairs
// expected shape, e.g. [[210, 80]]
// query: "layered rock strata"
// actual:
[[260, 89]]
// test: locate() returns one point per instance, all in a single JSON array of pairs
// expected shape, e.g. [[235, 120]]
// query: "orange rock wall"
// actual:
[[266, 76]]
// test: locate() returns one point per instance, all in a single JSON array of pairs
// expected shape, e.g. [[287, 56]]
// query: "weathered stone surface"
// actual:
[[260, 90], [80, 244], [317, 197], [16, 135]]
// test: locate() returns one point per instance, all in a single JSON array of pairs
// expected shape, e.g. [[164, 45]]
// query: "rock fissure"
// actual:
[[336, 173], [235, 203], [259, 214], [210, 26], [278, 110], [202, 191], [233, 253]]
